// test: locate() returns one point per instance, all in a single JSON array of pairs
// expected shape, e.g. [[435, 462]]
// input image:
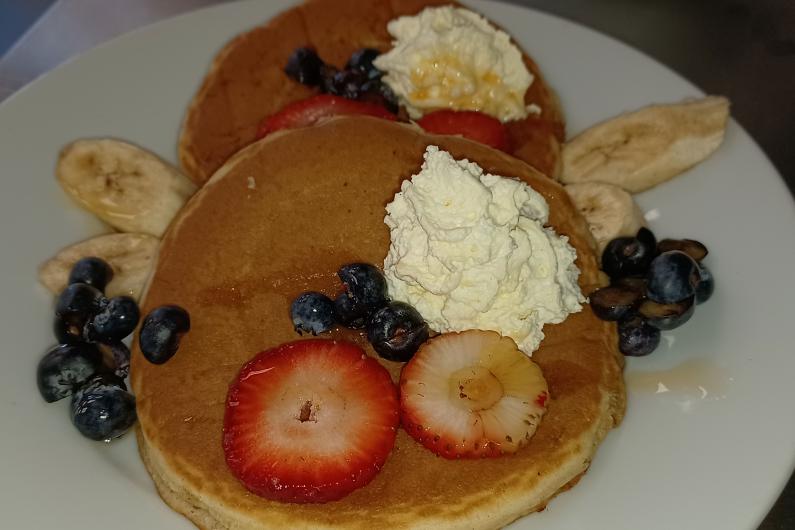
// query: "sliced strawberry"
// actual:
[[469, 124], [471, 394], [309, 421], [308, 111]]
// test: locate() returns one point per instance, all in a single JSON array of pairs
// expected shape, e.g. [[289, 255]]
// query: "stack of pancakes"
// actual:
[[280, 217]]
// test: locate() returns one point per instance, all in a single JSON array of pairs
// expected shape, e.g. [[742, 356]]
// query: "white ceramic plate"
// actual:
[[713, 451]]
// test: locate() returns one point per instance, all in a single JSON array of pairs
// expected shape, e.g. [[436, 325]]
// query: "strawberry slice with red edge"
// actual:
[[472, 394], [469, 124], [309, 421], [306, 112]]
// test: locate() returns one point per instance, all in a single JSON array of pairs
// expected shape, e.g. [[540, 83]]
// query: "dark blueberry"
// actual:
[[375, 91], [115, 321], [116, 358], [364, 292], [161, 332], [362, 60], [312, 312], [92, 271], [629, 256], [636, 337], [78, 303], [64, 368], [346, 83], [691, 247], [304, 66], [667, 316], [327, 76], [614, 303], [102, 409], [396, 331], [672, 277], [706, 284]]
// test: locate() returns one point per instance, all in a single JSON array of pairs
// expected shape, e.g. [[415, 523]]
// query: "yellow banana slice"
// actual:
[[641, 149], [609, 210], [130, 255], [129, 188]]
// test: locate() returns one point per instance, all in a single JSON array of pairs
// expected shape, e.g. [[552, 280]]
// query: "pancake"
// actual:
[[281, 217], [246, 82]]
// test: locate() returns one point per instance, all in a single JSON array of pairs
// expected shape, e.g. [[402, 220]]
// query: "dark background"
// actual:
[[743, 49]]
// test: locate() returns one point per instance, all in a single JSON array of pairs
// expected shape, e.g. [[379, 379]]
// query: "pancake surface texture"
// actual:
[[246, 82], [281, 217]]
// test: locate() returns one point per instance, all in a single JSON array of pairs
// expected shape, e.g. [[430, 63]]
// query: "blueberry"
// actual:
[[633, 283], [115, 321], [312, 312], [327, 79], [614, 303], [706, 284], [346, 83], [102, 409], [365, 291], [362, 60], [92, 271], [636, 337], [161, 332], [304, 66], [64, 368], [672, 277], [396, 331], [628, 256], [691, 247], [375, 91], [77, 304], [667, 316]]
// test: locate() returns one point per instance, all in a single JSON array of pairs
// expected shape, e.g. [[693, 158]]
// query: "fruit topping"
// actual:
[[102, 409], [469, 124], [396, 331], [304, 66], [312, 312], [309, 421], [161, 332], [471, 394], [691, 247], [614, 303], [92, 271], [362, 60], [76, 305], [116, 357], [627, 256], [706, 285], [636, 337], [346, 83], [306, 112], [364, 291], [672, 277], [115, 321], [64, 368], [667, 316]]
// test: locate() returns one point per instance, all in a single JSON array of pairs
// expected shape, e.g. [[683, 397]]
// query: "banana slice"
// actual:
[[609, 210], [641, 149], [130, 255], [129, 188]]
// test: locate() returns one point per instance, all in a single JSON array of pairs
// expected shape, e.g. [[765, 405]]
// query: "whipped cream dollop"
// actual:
[[469, 250], [450, 57]]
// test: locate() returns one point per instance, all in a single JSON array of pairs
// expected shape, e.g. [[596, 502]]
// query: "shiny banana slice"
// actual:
[[129, 188], [609, 210], [130, 255], [641, 149]]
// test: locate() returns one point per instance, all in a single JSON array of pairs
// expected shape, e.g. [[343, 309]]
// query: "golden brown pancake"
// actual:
[[246, 82], [281, 217]]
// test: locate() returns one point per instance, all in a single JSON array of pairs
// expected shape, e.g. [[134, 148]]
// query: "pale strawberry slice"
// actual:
[[309, 421], [471, 394]]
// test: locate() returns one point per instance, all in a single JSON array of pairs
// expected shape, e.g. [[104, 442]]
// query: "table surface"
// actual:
[[743, 49]]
